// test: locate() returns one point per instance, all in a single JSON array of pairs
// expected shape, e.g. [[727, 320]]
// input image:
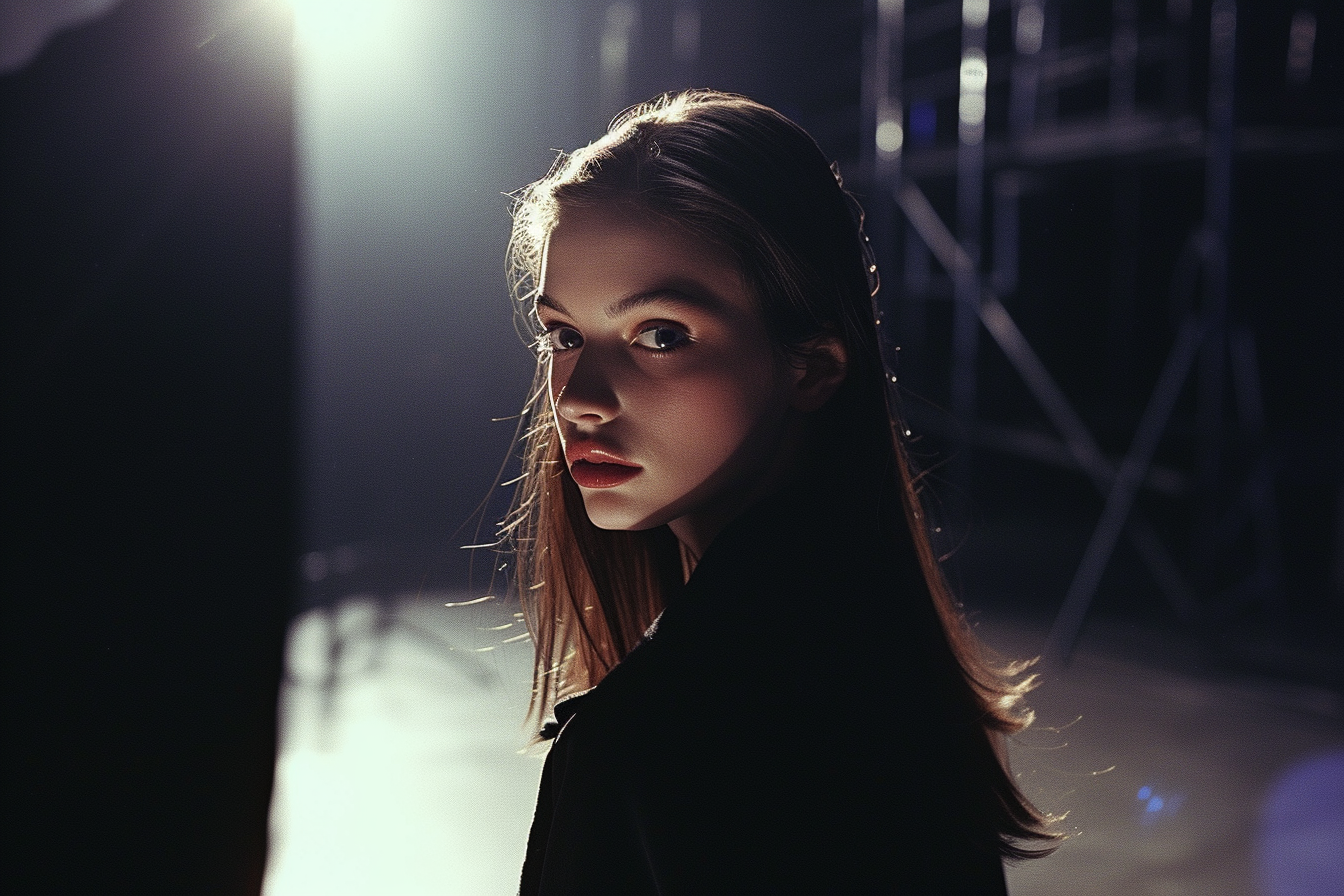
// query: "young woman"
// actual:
[[760, 683]]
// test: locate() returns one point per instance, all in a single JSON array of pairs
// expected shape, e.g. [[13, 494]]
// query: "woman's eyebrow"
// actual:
[[666, 295], [663, 295], [548, 302]]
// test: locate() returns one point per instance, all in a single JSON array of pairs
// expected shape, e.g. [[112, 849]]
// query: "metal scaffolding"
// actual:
[[1009, 128]]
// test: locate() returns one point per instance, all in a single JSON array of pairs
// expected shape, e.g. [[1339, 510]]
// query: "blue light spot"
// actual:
[[923, 121], [1301, 827], [1145, 792], [1155, 804]]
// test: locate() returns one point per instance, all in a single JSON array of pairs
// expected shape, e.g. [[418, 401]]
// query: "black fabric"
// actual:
[[786, 729]]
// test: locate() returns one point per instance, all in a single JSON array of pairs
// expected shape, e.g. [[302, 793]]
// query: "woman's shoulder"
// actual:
[[807, 565]]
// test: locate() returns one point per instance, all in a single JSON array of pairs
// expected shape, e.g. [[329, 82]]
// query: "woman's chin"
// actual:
[[608, 511]]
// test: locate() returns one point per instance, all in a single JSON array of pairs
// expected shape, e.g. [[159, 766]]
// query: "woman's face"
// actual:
[[672, 404]]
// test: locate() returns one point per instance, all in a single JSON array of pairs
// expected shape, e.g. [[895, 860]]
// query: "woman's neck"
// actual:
[[688, 561], [695, 532]]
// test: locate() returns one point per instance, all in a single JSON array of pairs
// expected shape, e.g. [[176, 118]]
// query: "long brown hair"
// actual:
[[742, 177]]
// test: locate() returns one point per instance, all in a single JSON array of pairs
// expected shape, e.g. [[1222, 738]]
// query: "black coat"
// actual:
[[786, 729]]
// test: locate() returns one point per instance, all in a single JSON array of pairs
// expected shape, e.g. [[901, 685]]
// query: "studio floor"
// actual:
[[403, 771]]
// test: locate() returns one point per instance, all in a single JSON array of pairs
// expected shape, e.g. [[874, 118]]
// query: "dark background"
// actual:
[[150, 472], [256, 331]]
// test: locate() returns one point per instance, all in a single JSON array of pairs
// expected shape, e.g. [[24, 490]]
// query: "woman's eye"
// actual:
[[662, 339], [562, 339]]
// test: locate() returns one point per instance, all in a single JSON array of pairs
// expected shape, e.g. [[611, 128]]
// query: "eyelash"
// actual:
[[683, 340], [546, 341]]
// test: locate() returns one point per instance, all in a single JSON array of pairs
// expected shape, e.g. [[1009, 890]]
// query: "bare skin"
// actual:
[[673, 404]]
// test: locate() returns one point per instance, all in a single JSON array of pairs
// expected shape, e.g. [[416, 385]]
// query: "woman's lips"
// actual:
[[594, 466], [594, 474]]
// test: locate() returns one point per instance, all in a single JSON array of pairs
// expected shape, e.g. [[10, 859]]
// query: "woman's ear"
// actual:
[[819, 372]]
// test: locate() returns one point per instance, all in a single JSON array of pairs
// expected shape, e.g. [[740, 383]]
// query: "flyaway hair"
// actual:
[[741, 177]]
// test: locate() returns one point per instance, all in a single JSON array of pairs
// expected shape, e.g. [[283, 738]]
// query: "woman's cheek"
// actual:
[[708, 408]]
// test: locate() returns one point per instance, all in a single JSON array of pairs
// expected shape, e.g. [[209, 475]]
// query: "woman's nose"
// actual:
[[583, 390]]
